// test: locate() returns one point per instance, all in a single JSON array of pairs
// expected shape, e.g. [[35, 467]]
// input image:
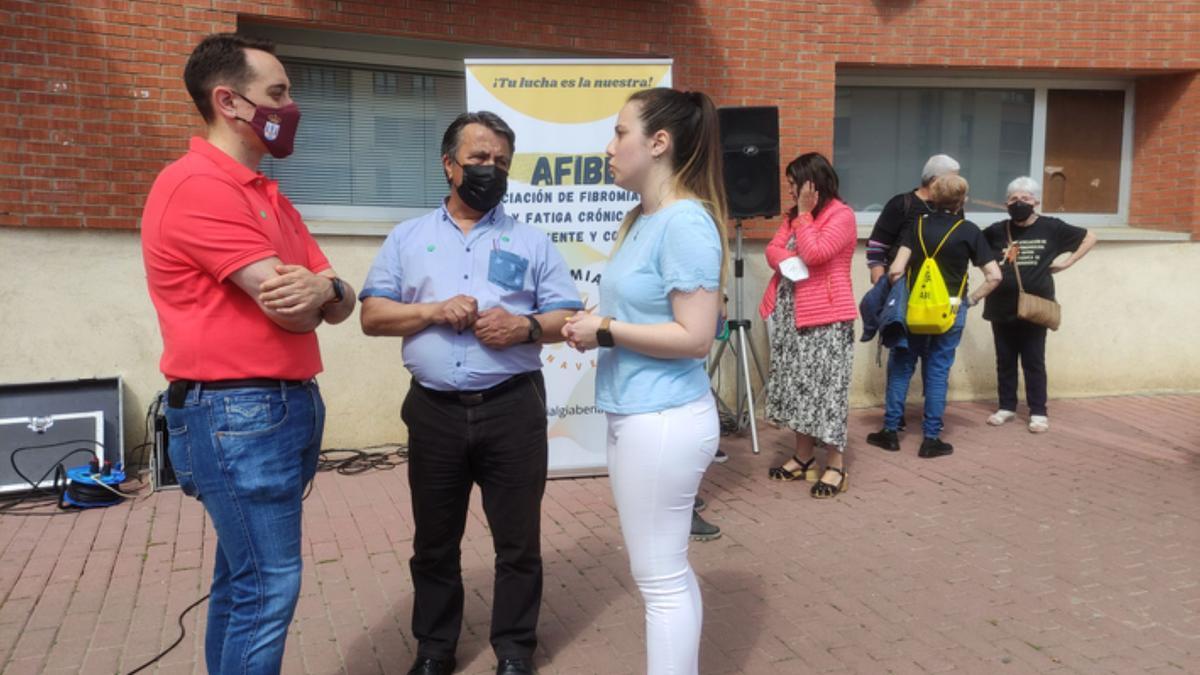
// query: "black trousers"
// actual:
[[499, 444], [1026, 341]]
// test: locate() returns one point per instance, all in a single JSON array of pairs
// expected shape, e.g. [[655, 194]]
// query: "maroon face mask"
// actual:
[[275, 126]]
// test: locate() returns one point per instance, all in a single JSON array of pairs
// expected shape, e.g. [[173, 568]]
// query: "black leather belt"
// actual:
[[177, 390], [472, 398]]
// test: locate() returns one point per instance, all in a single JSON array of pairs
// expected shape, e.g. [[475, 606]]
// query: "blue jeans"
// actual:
[[247, 455], [937, 354]]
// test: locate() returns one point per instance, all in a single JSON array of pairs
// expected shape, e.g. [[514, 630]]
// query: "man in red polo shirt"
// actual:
[[240, 286]]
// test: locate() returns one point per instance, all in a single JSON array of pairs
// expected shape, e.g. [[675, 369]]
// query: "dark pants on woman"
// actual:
[[1026, 341], [498, 441]]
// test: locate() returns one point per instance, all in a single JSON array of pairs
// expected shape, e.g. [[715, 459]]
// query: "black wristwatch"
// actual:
[[604, 336], [535, 330], [339, 291]]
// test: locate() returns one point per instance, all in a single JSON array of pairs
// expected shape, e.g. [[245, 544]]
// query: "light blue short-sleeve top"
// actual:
[[675, 249]]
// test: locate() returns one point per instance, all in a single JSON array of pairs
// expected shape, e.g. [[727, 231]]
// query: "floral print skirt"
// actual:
[[808, 389]]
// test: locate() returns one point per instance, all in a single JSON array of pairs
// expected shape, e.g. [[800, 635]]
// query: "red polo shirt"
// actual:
[[206, 217]]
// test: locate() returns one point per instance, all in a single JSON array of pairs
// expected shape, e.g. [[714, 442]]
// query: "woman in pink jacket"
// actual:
[[811, 307]]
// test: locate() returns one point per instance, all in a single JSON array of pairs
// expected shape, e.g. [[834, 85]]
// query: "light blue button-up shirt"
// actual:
[[501, 262]]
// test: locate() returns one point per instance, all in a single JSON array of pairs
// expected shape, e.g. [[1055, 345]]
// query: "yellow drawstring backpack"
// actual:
[[930, 311]]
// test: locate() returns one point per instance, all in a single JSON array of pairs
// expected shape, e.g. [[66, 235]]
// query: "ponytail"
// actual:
[[691, 120]]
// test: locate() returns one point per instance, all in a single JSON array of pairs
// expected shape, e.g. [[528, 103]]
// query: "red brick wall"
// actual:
[[1166, 175], [92, 103]]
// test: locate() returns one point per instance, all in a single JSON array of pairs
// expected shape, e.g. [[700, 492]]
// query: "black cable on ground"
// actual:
[[182, 633], [350, 462]]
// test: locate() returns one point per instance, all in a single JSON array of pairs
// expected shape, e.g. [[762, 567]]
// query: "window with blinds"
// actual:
[[368, 137], [883, 135], [1073, 136]]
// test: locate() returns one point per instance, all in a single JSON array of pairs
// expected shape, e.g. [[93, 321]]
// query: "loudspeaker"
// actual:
[[750, 144]]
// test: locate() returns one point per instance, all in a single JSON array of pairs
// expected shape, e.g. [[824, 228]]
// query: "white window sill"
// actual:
[[1103, 233], [351, 228], [379, 228], [1118, 233]]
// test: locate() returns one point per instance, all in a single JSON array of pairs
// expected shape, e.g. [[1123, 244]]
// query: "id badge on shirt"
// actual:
[[507, 270]]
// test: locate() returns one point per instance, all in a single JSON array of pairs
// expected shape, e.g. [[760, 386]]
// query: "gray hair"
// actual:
[[936, 167], [1024, 184]]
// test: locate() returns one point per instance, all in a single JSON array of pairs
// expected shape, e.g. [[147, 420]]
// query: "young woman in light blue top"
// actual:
[[660, 300]]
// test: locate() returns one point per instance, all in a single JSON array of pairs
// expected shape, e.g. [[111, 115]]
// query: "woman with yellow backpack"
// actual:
[[934, 258]]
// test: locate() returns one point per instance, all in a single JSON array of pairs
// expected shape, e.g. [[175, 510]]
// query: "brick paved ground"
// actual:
[[1073, 552]]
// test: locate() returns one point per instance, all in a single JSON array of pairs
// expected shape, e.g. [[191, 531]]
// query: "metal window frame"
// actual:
[[1041, 85], [363, 220]]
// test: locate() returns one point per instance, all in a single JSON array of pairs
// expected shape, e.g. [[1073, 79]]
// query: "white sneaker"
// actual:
[[1038, 424], [1000, 417]]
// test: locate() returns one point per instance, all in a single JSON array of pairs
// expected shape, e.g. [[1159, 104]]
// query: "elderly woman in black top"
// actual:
[[1037, 247], [901, 212]]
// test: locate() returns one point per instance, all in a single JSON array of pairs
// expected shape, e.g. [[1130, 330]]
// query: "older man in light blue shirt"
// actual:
[[474, 293], [508, 268]]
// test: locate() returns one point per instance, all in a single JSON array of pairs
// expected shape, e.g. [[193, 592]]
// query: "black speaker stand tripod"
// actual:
[[738, 341]]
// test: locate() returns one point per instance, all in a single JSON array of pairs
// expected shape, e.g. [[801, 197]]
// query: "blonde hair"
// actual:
[[949, 192], [691, 120]]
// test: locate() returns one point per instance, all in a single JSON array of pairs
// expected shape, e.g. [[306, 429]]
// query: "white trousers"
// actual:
[[655, 463]]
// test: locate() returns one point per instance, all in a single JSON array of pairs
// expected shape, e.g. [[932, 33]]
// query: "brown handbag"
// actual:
[[1032, 308]]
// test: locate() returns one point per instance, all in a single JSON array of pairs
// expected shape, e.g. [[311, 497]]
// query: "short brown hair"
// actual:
[[220, 58], [949, 192]]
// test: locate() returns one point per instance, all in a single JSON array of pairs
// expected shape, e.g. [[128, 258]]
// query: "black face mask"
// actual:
[[483, 186], [1020, 211]]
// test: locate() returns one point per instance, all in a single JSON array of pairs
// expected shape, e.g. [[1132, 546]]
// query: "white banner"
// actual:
[[563, 112]]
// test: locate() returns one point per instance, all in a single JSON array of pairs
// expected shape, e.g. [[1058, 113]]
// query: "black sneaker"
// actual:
[[699, 505], [884, 438], [702, 530], [720, 457], [934, 447]]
